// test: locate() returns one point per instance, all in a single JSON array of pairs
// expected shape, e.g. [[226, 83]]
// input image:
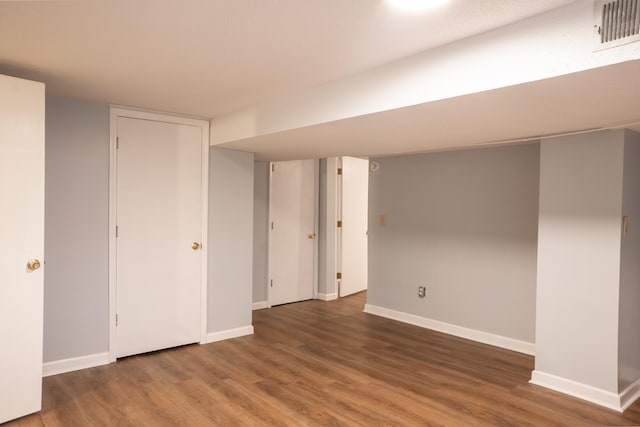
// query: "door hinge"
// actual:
[[339, 171], [339, 225], [338, 275], [117, 142], [271, 282], [273, 167], [116, 320], [272, 225], [116, 231]]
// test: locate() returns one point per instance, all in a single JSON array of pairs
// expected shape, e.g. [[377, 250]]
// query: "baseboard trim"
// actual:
[[576, 389], [327, 297], [629, 395], [260, 305], [228, 334], [74, 364], [458, 331]]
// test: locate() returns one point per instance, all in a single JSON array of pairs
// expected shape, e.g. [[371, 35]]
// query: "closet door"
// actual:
[[21, 246], [292, 234], [159, 243]]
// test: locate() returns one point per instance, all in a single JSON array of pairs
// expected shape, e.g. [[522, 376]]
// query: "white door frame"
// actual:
[[316, 203], [332, 215], [346, 211], [115, 112], [316, 216]]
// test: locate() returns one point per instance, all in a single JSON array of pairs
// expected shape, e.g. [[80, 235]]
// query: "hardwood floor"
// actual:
[[318, 364]]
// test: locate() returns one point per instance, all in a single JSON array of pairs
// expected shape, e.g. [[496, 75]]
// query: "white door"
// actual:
[[159, 230], [355, 196], [292, 236], [21, 240]]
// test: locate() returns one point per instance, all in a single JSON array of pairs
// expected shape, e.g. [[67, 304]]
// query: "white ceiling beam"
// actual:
[[556, 43]]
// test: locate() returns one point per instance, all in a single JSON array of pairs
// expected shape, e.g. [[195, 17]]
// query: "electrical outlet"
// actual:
[[422, 291]]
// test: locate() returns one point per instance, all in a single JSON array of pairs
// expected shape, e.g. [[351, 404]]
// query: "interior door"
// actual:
[[355, 196], [159, 230], [292, 236], [21, 246]]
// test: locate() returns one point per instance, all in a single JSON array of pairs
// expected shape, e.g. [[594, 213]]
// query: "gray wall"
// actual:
[[465, 225], [230, 239], [260, 231], [76, 229], [629, 316], [581, 180], [76, 232]]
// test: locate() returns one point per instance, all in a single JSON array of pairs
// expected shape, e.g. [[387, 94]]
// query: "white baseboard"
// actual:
[[260, 305], [629, 395], [228, 334], [327, 297], [579, 390], [458, 331], [74, 364]]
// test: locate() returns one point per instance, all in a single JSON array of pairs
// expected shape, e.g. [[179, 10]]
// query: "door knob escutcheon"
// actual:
[[33, 264]]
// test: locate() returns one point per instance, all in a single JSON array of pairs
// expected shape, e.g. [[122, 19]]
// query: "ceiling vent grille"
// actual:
[[617, 22]]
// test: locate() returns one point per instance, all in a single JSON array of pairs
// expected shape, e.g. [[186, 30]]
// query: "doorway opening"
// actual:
[[317, 230]]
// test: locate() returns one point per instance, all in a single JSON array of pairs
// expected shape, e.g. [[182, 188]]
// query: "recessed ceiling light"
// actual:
[[416, 4]]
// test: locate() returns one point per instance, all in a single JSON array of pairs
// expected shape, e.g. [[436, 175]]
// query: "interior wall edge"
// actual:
[[581, 391]]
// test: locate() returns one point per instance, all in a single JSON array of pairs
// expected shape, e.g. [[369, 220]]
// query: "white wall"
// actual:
[[579, 262], [76, 229], [464, 224], [230, 239], [629, 317], [260, 231]]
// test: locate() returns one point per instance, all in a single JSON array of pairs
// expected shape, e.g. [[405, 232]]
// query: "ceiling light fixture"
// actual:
[[416, 4]]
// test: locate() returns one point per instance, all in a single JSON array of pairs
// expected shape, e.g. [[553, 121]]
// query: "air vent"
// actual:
[[617, 22]]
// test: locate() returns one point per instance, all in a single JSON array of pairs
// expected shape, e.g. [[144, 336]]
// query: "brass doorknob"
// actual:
[[33, 264], [195, 246], [312, 236]]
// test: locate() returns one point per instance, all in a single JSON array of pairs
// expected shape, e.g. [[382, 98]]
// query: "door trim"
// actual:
[[118, 111], [332, 236], [316, 228]]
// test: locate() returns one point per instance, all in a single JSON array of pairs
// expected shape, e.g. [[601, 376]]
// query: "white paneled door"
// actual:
[[292, 234], [355, 198], [21, 246], [159, 235]]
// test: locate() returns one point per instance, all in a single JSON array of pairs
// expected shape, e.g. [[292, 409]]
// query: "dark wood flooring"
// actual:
[[318, 364]]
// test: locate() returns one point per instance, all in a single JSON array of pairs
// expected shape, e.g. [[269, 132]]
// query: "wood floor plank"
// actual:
[[318, 363]]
